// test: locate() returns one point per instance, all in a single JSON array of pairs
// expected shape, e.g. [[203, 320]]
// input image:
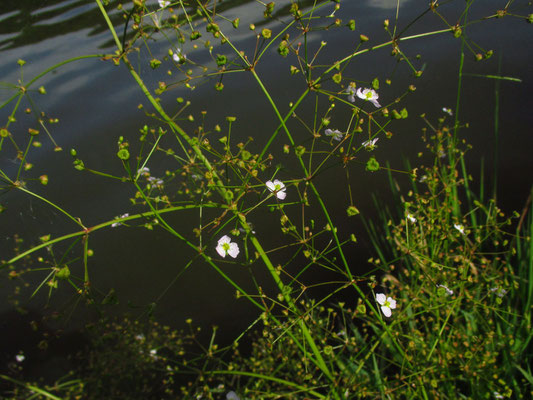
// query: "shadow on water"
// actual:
[[43, 352]]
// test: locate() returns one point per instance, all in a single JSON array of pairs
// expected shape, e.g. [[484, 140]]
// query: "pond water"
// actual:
[[96, 102]]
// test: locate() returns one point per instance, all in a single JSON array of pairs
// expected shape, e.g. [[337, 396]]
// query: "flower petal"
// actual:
[[270, 185], [224, 239], [281, 194], [386, 311], [381, 298], [232, 396], [392, 302], [233, 250], [220, 250]]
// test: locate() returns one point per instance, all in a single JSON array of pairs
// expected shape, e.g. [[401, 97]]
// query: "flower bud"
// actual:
[[351, 211], [63, 273]]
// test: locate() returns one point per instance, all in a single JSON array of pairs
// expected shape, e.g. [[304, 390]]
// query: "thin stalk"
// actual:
[[77, 221], [110, 26], [270, 378], [101, 226]]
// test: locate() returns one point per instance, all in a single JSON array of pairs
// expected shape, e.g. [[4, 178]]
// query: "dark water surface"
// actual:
[[96, 102]]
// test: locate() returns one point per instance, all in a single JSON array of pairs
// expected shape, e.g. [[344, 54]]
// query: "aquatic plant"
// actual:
[[442, 332]]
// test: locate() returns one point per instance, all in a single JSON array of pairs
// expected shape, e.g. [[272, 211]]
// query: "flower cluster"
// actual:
[[225, 245]]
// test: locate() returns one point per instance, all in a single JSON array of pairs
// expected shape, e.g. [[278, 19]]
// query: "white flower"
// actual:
[[20, 357], [163, 3], [351, 93], [179, 57], [498, 396], [225, 246], [337, 135], [143, 171], [232, 396], [449, 291], [447, 110], [369, 95], [411, 218], [387, 304], [114, 225], [369, 144], [139, 337], [500, 292], [278, 188], [460, 228]]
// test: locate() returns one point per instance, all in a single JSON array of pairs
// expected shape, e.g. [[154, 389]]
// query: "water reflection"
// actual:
[[28, 22], [97, 102]]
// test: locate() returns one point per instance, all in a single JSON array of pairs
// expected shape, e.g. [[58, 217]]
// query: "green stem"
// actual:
[[76, 220], [110, 25], [270, 378]]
